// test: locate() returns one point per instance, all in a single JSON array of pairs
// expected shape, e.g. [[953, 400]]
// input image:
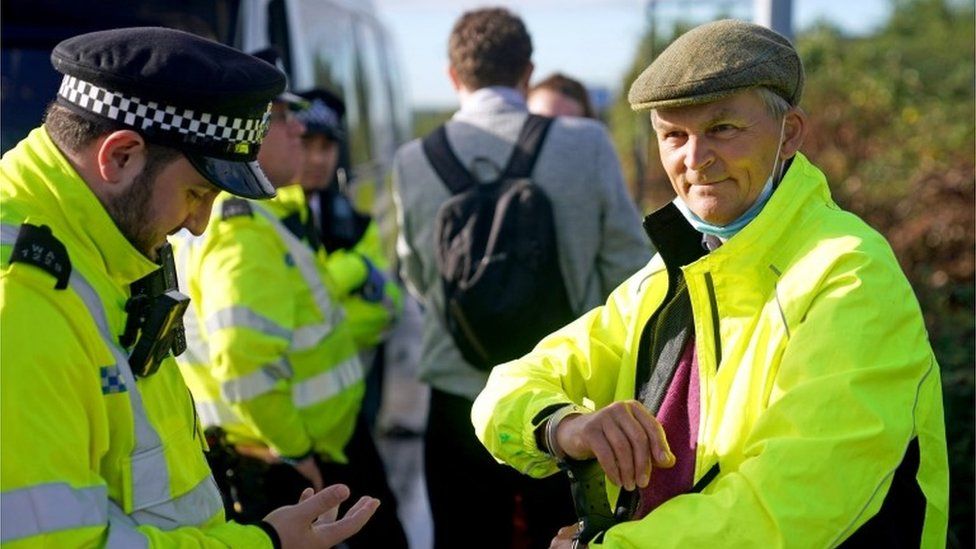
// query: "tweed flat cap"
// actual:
[[716, 60]]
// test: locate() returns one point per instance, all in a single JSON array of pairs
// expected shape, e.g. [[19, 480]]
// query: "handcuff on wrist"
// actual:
[[552, 425], [586, 479]]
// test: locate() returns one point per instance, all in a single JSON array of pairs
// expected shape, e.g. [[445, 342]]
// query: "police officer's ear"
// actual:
[[794, 130], [121, 156]]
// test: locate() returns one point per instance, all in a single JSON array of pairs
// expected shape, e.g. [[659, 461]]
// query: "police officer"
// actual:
[[270, 358], [351, 240], [148, 126]]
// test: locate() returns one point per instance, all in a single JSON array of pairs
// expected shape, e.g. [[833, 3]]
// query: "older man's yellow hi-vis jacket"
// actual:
[[269, 357], [821, 405], [92, 456]]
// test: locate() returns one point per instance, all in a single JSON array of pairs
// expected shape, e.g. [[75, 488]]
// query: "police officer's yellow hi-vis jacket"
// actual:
[[268, 357], [370, 300], [91, 456], [821, 405]]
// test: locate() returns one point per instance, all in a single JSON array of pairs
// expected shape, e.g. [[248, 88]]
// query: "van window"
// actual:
[[376, 89], [278, 32], [330, 36], [29, 30]]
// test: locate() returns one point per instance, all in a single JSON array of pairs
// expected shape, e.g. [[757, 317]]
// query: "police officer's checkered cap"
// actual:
[[321, 118], [238, 133], [175, 88]]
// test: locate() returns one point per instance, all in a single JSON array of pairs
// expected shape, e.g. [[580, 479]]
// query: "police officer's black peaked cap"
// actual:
[[324, 114], [177, 89]]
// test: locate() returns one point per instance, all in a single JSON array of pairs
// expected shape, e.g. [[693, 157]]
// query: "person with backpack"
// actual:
[[502, 244]]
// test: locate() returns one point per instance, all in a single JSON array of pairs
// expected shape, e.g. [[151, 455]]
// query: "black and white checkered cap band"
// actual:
[[236, 135]]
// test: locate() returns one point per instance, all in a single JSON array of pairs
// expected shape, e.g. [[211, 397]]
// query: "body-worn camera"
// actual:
[[154, 326], [158, 332]]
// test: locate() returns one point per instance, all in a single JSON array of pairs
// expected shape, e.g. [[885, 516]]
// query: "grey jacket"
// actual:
[[597, 225]]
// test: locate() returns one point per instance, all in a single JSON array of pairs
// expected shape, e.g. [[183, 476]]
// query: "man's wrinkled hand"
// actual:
[[624, 437]]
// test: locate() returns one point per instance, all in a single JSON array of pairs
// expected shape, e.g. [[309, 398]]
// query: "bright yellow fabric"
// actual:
[[56, 425], [347, 270], [243, 262], [825, 376]]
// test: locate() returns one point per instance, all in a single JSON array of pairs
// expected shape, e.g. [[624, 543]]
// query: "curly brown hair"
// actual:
[[489, 47]]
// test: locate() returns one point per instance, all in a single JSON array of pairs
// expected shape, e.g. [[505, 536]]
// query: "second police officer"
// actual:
[[270, 358]]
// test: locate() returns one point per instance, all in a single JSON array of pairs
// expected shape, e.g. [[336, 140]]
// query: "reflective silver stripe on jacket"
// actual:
[[216, 413], [303, 337], [122, 532], [327, 384], [239, 316], [306, 336], [256, 383], [150, 474], [197, 352], [191, 508], [48, 508]]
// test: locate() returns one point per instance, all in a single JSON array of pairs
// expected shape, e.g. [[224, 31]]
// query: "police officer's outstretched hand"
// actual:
[[624, 437], [313, 522]]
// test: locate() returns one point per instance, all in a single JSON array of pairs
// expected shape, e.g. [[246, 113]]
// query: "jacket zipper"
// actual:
[[713, 305], [704, 384]]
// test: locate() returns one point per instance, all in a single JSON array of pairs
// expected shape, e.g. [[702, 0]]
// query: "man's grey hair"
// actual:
[[775, 104]]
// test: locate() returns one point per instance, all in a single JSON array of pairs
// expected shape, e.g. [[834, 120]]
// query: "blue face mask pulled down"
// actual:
[[729, 230]]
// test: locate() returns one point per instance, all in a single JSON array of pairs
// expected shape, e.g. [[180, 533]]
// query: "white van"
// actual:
[[335, 44]]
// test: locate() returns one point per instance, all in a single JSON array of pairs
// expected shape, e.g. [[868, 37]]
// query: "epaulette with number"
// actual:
[[37, 246], [235, 207]]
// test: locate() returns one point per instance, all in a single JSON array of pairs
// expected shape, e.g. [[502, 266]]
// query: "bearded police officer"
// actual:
[[101, 443], [774, 387]]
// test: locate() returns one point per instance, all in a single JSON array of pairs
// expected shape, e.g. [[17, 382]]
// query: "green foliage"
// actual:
[[632, 134], [892, 126]]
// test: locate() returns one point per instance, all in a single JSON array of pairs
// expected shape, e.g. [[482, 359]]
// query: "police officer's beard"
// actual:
[[132, 212]]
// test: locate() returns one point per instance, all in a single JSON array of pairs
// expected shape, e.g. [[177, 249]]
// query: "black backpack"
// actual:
[[495, 244]]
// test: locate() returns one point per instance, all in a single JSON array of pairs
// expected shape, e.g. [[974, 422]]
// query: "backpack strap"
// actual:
[[449, 169], [527, 147]]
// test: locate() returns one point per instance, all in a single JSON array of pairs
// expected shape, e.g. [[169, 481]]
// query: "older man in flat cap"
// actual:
[[766, 380], [101, 445]]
